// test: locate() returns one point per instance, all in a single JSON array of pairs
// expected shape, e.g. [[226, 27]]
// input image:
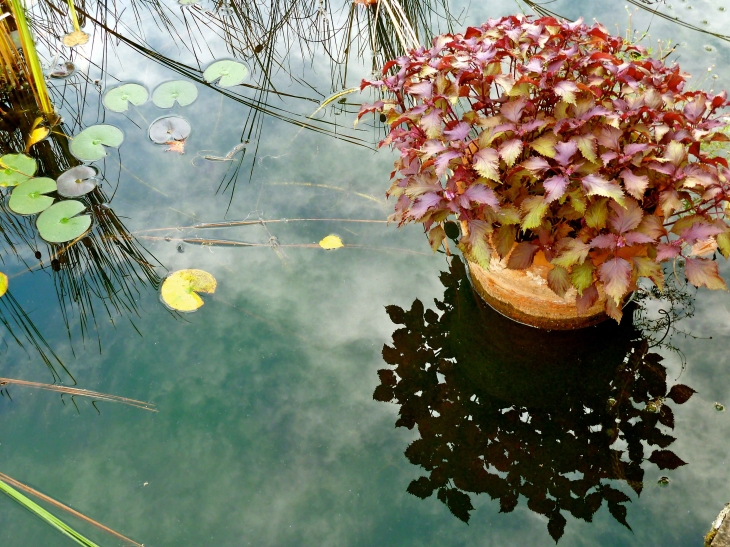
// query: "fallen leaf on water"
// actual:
[[37, 134], [3, 283], [75, 38], [180, 288], [331, 242]]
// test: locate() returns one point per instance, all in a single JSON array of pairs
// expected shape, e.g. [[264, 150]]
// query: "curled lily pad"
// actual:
[[118, 98], [16, 168], [230, 73], [180, 288], [331, 242], [62, 70], [28, 197], [168, 129], [181, 91], [77, 181], [89, 144], [59, 223]]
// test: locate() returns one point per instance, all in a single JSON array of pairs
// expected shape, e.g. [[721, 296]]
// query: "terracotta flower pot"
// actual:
[[524, 296]]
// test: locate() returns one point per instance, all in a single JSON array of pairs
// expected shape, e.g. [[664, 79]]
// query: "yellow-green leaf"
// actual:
[[581, 276], [331, 242], [180, 288], [646, 267], [534, 209], [3, 283], [545, 145], [597, 214]]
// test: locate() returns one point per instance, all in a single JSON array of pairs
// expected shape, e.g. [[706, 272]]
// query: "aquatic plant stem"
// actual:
[[74, 18]]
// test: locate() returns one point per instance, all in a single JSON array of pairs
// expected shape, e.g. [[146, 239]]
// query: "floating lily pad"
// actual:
[[16, 168], [180, 288], [168, 129], [59, 223], [77, 181], [62, 70], [187, 2], [28, 197], [181, 91], [331, 242], [75, 38], [118, 98], [3, 283], [230, 73], [89, 144]]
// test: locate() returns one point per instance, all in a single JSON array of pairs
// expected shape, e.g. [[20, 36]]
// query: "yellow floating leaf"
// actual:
[[3, 283], [331, 242], [180, 288], [36, 136], [75, 38]]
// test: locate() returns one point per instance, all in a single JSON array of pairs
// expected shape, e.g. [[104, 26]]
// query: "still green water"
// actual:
[[267, 432]]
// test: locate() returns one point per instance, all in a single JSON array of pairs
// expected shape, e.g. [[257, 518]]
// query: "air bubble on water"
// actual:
[[180, 248], [709, 48], [720, 407]]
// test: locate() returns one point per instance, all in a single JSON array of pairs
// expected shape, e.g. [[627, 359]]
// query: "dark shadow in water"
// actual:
[[557, 418]]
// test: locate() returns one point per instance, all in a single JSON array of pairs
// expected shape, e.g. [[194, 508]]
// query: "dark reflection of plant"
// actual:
[[563, 434]]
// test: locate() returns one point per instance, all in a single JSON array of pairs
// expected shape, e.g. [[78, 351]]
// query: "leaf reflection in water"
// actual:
[[559, 418]]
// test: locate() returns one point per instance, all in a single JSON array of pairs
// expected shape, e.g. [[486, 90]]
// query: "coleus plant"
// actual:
[[552, 136]]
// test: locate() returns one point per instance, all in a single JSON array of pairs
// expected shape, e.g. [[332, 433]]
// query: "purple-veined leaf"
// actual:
[[702, 272], [431, 148], [680, 393], [510, 151], [596, 185], [665, 252], [458, 132], [479, 193], [626, 218], [564, 151], [431, 123], [609, 137], [585, 300], [512, 110], [442, 161], [694, 109], [422, 184], [675, 153], [669, 202], [533, 210], [571, 251], [424, 90], [522, 256], [423, 204], [699, 231], [635, 185], [486, 163], [559, 280], [634, 238], [555, 187], [566, 89], [696, 176], [630, 150], [535, 165], [605, 241], [615, 274], [646, 267], [652, 226]]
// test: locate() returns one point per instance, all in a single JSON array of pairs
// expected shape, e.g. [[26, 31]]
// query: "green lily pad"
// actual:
[[89, 144], [16, 168], [230, 73], [181, 91], [59, 223], [28, 197], [117, 99]]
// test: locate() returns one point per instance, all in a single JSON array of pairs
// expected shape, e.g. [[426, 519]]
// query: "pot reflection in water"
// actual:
[[561, 419]]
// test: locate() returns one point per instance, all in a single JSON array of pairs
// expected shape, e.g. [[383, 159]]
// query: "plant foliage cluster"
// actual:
[[541, 135]]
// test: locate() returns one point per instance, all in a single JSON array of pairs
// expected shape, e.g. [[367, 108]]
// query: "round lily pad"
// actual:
[[180, 288], [118, 98], [59, 223], [28, 197], [16, 168], [89, 144], [181, 91], [77, 181], [169, 128], [230, 73]]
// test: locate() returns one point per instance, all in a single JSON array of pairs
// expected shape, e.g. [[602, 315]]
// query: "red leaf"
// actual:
[[555, 187], [522, 256], [625, 219], [703, 272], [666, 459], [587, 299], [559, 280], [615, 274], [479, 193]]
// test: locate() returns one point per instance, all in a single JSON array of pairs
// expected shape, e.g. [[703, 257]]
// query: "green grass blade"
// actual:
[[46, 516]]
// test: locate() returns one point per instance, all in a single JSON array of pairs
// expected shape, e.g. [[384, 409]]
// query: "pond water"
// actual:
[[266, 431]]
